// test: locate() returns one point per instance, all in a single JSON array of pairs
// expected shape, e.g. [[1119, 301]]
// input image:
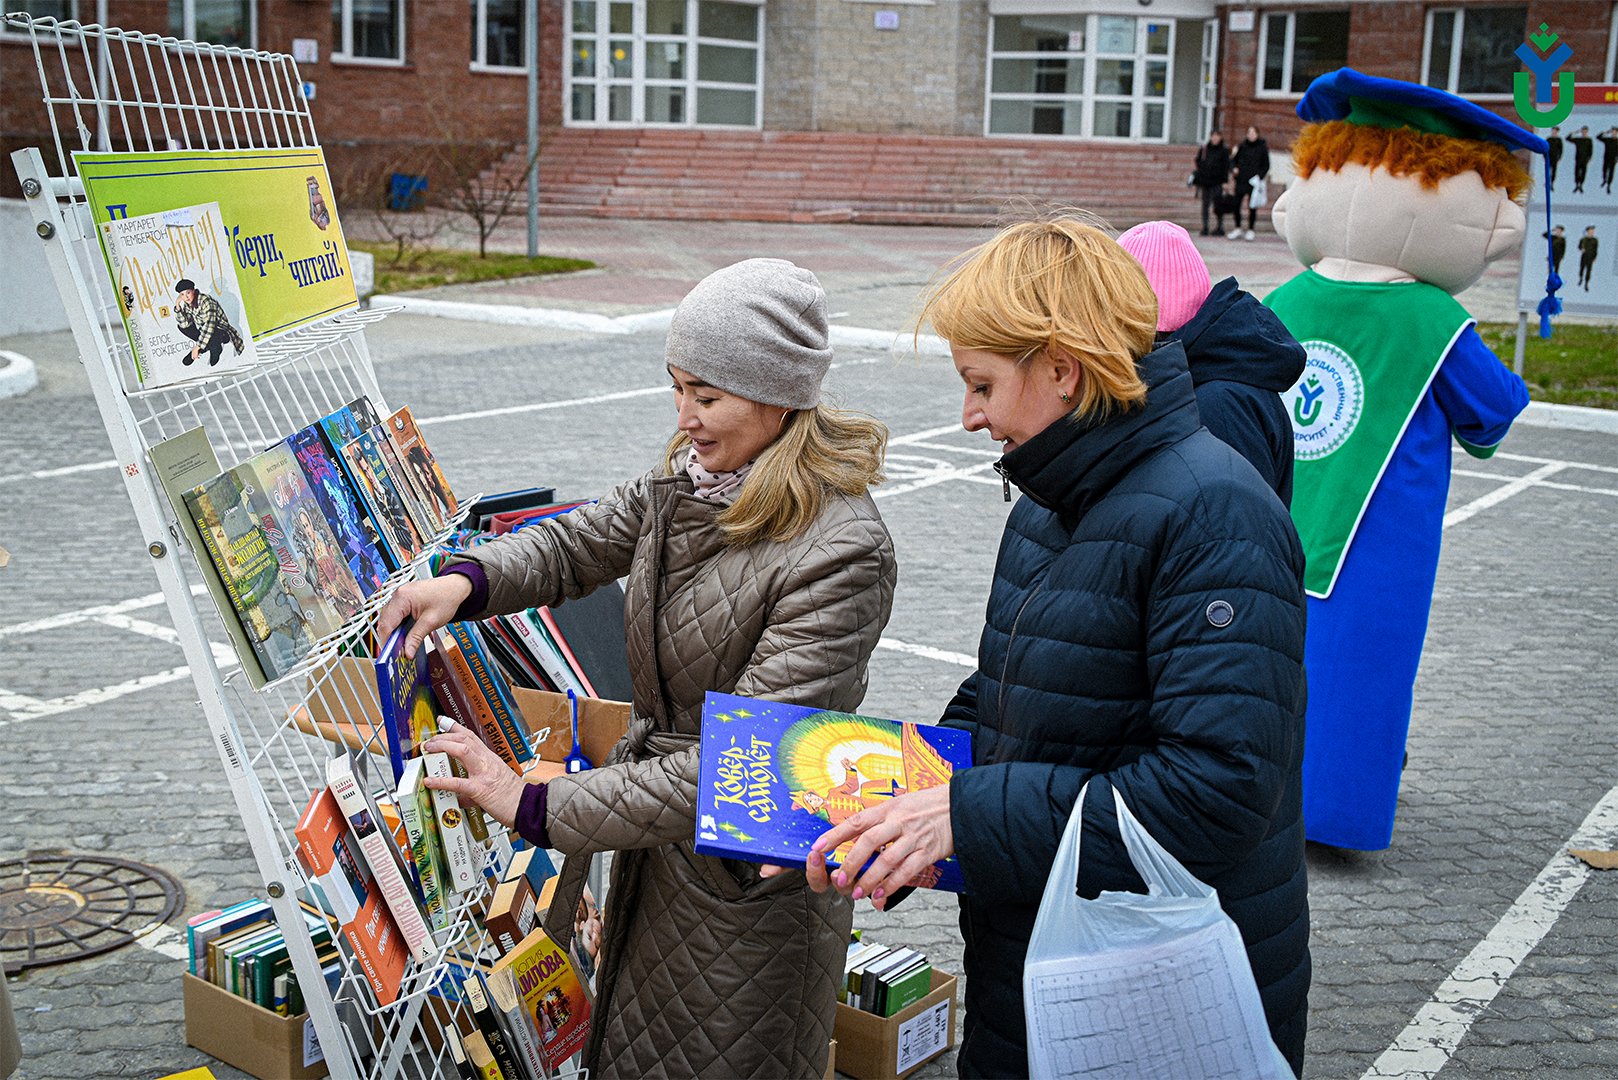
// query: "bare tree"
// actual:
[[487, 197]]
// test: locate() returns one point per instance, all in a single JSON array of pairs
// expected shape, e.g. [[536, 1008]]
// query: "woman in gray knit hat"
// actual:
[[756, 564]]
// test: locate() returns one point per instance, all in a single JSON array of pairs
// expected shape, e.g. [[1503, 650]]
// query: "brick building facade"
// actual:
[[435, 86]]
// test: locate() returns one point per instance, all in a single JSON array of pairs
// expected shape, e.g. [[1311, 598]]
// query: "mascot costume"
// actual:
[[1404, 195]]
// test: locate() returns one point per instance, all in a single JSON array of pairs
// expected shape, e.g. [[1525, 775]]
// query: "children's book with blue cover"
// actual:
[[409, 710], [774, 777]]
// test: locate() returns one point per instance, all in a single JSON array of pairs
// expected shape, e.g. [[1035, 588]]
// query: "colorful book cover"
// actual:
[[463, 853], [553, 996], [339, 430], [416, 808], [382, 496], [177, 291], [423, 465], [297, 580], [345, 779], [409, 713], [350, 524], [344, 882], [421, 513], [775, 776], [483, 719], [492, 687], [271, 612], [308, 536]]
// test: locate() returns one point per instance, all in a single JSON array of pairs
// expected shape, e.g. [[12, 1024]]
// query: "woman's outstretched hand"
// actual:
[[915, 831], [432, 603], [489, 782]]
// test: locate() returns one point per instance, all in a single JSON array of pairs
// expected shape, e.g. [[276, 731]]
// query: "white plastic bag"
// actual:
[[1261, 193], [1132, 987]]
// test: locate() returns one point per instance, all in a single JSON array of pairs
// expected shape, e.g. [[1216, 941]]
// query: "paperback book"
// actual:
[[421, 515], [553, 996], [350, 524], [422, 466], [345, 778], [775, 776], [376, 486], [409, 713], [307, 546]]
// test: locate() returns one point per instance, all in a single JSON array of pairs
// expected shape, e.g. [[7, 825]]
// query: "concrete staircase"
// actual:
[[834, 176]]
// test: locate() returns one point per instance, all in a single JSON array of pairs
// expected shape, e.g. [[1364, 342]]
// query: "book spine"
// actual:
[[389, 879], [550, 661], [493, 1034], [485, 724], [454, 827], [419, 827], [492, 687], [463, 1068], [586, 687], [397, 733], [447, 691], [518, 1028]]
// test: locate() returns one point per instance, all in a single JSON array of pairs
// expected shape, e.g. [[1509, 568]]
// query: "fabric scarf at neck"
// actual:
[[712, 485]]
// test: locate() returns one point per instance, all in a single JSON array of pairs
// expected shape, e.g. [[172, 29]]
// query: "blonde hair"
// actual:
[[819, 451], [1060, 284], [1426, 155]]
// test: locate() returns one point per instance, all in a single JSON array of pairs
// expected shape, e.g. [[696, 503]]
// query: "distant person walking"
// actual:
[[1212, 173], [1252, 163], [1558, 237], [1609, 156], [1583, 147], [1587, 255], [1554, 154]]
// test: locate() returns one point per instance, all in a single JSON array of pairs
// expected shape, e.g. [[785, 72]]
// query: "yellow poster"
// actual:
[[276, 210]]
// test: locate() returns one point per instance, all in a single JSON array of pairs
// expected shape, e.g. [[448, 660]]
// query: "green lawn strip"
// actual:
[[426, 269], [1577, 366]]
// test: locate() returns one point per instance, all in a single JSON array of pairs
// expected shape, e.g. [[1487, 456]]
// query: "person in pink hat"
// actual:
[[1241, 357]]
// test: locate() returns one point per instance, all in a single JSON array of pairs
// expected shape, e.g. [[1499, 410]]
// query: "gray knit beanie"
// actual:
[[756, 329]]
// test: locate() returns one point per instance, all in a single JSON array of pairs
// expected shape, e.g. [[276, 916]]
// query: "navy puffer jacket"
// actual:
[[1145, 628]]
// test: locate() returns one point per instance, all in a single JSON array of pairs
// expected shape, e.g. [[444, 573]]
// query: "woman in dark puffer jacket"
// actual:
[[1144, 630]]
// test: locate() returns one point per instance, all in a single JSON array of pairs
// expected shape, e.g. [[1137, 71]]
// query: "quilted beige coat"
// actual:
[[707, 970]]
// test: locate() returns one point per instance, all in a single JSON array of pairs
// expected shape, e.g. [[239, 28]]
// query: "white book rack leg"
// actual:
[[108, 89]]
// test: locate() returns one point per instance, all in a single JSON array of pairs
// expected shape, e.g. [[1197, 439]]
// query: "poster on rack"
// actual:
[[279, 238], [1584, 209]]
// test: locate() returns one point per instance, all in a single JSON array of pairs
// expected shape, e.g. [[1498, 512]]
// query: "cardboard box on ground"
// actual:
[[871, 1047], [248, 1036]]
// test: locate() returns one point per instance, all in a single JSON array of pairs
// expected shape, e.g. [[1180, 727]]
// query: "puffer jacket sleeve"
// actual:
[[1226, 719], [962, 710], [813, 651], [565, 556]]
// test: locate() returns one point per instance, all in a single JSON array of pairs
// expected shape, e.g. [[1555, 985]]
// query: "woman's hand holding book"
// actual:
[[432, 603], [489, 782]]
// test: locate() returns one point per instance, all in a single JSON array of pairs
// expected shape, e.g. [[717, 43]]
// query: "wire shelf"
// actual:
[[109, 89]]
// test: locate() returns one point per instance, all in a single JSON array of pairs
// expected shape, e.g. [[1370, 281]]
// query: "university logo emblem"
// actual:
[[1325, 403]]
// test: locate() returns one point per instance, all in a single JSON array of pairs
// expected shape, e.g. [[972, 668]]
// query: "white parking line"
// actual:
[[944, 655], [1428, 1042], [1500, 494]]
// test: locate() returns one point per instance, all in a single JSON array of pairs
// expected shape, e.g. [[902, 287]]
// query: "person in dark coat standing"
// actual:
[[1252, 161], [1240, 355], [1588, 245], [1609, 156], [1583, 149], [1554, 154], [1144, 634], [1211, 175], [1558, 238]]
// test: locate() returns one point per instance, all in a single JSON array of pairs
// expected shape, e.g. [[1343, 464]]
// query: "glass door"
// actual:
[[1208, 82]]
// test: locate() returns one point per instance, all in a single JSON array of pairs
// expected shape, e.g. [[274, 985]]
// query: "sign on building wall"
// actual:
[[1584, 206]]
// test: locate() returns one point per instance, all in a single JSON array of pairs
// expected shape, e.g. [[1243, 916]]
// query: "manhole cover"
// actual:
[[56, 906]]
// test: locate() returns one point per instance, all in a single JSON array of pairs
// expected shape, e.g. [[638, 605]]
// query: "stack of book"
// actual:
[[300, 535], [241, 950], [883, 980]]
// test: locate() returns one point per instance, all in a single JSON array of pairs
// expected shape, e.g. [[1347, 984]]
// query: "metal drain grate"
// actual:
[[56, 906]]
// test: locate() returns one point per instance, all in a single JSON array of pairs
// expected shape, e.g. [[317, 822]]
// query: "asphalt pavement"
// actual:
[[1473, 947]]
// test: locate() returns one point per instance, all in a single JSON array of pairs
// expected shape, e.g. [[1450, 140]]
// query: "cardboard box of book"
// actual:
[[248, 1036], [872, 1047]]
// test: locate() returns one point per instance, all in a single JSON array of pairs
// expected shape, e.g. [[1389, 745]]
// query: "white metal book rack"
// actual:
[[108, 89]]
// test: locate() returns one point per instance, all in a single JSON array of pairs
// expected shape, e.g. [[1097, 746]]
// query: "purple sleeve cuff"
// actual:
[[531, 816], [474, 604]]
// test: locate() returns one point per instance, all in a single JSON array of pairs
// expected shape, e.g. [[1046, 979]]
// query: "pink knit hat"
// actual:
[[1174, 267]]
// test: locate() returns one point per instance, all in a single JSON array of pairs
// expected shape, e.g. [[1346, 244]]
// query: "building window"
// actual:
[[664, 63], [1101, 76], [498, 28], [60, 10], [217, 22], [1472, 50], [368, 31], [1298, 47]]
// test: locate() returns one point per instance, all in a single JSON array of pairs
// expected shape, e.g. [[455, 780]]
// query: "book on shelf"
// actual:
[[310, 550], [338, 430], [774, 776], [350, 525], [507, 650], [416, 808], [477, 1000], [589, 926], [481, 1057], [183, 464], [512, 913], [179, 335], [363, 465], [421, 514], [487, 690], [464, 1069], [279, 615], [541, 651], [422, 465], [553, 995], [345, 778], [463, 848], [339, 872], [578, 678], [514, 1021], [533, 863], [202, 929], [409, 711]]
